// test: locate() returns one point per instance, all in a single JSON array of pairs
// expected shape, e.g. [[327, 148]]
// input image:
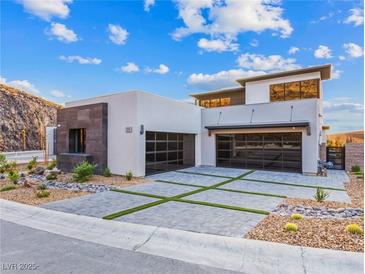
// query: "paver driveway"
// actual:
[[223, 201]]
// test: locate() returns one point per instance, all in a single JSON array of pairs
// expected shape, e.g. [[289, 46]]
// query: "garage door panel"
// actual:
[[272, 151]]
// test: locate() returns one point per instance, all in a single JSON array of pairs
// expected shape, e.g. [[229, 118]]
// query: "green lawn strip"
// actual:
[[257, 211], [139, 193], [204, 174], [134, 209], [291, 184], [176, 183], [253, 193]]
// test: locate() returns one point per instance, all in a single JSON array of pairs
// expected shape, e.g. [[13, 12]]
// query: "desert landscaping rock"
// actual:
[[39, 170], [316, 212], [93, 188]]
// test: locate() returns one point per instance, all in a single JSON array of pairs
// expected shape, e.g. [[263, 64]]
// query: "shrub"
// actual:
[[354, 229], [52, 165], [129, 175], [32, 163], [51, 176], [7, 188], [320, 195], [2, 158], [42, 187], [10, 166], [14, 176], [83, 172], [355, 168], [106, 172], [291, 227], [297, 216], [43, 194]]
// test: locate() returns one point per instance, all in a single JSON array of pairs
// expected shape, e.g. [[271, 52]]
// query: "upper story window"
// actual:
[[217, 102], [294, 90], [77, 137]]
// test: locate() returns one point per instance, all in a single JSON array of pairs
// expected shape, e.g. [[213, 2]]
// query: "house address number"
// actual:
[[128, 130]]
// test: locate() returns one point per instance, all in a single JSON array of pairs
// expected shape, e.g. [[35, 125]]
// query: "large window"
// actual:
[[77, 137], [216, 102], [294, 90], [272, 151]]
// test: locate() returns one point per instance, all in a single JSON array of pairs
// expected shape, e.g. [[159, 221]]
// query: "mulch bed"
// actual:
[[320, 233]]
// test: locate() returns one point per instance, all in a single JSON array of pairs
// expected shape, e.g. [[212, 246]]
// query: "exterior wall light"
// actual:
[[141, 131]]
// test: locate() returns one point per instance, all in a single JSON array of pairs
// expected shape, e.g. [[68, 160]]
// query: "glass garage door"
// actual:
[[169, 151], [270, 151]]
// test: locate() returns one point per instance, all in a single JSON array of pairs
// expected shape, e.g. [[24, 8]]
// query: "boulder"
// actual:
[[30, 182], [39, 170]]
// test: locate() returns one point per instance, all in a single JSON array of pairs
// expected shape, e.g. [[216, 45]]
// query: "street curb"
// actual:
[[235, 254]]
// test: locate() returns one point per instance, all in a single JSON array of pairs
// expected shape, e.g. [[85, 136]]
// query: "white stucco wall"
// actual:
[[126, 151], [259, 92], [303, 110]]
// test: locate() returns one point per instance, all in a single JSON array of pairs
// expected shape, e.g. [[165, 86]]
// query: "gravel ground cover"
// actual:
[[319, 233], [28, 196]]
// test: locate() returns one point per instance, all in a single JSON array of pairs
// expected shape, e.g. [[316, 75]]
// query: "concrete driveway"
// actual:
[[221, 201]]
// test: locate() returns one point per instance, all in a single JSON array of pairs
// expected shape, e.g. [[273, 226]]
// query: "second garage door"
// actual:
[[270, 151]]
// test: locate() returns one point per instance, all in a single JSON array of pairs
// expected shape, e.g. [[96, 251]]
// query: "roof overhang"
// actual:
[[217, 92], [301, 124], [325, 71]]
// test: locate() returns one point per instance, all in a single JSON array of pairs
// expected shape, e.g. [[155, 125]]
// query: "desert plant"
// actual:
[[129, 175], [52, 164], [297, 216], [3, 163], [83, 171], [42, 187], [354, 229], [106, 172], [43, 194], [10, 166], [32, 163], [51, 176], [14, 176], [7, 188], [291, 227], [355, 168], [320, 195]]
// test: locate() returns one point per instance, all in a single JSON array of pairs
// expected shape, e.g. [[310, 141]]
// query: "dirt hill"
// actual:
[[342, 138], [23, 117]]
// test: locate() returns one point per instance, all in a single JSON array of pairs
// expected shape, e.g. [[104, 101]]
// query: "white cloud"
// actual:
[[57, 93], [81, 60], [46, 9], [353, 50], [148, 4], [254, 43], [341, 57], [117, 34], [218, 45], [24, 85], [266, 63], [130, 68], [356, 17], [336, 73], [220, 79], [293, 50], [162, 69], [62, 33], [228, 18], [343, 114], [323, 52]]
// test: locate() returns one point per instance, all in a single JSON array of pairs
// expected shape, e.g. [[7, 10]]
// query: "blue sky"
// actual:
[[65, 50]]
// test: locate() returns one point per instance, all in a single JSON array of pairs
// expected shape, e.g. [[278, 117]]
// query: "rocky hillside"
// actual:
[[339, 139], [23, 117]]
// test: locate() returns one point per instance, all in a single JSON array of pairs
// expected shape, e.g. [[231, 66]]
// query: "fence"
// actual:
[[354, 155]]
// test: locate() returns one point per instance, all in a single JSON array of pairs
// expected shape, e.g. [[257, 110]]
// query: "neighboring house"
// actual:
[[273, 121]]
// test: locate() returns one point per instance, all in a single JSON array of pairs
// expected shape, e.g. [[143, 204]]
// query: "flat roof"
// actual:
[[218, 91], [325, 71], [261, 125]]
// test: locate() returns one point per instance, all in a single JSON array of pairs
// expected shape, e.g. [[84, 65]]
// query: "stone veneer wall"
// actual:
[[354, 155], [94, 118]]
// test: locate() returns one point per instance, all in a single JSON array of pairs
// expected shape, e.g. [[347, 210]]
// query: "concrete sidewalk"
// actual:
[[241, 255]]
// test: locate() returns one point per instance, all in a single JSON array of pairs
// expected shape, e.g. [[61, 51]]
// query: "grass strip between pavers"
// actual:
[[253, 193], [174, 198], [291, 184], [139, 193], [257, 211], [176, 183], [205, 174]]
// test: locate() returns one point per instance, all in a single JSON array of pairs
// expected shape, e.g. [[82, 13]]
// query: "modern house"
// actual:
[[272, 122]]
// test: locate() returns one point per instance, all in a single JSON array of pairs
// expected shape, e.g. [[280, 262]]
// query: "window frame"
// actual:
[[301, 97], [77, 140]]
